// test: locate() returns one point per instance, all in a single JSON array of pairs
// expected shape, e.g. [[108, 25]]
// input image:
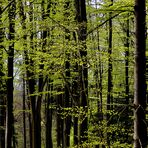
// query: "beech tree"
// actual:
[[9, 143], [140, 127], [2, 85]]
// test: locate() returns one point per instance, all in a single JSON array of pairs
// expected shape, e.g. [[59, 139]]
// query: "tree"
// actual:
[[10, 66], [67, 98], [2, 86], [83, 70], [140, 127], [110, 70]]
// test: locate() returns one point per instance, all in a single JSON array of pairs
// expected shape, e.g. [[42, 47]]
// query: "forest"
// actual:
[[73, 74]]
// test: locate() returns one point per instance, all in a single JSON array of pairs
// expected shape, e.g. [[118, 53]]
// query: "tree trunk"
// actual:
[[59, 118], [67, 101], [110, 69], [24, 114], [76, 102], [110, 85], [9, 102], [23, 17], [81, 19], [48, 111], [127, 62], [140, 127], [2, 88]]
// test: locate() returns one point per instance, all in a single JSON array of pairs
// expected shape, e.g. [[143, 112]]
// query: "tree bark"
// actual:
[[24, 114], [2, 87], [49, 143], [67, 99], [9, 102], [83, 70], [140, 127], [110, 69]]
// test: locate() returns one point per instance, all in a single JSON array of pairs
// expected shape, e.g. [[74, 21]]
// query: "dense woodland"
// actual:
[[73, 74]]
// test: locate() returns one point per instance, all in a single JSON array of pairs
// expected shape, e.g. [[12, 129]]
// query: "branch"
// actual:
[[60, 25], [103, 23], [6, 7]]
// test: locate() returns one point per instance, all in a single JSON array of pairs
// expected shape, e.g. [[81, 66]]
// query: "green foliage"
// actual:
[[53, 51]]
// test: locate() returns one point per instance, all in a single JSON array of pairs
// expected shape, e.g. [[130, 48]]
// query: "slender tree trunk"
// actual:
[[30, 125], [67, 104], [9, 102], [2, 87], [24, 114], [110, 85], [110, 69], [28, 73], [31, 83], [140, 127], [127, 77], [49, 100], [23, 17], [127, 62], [76, 102], [59, 118]]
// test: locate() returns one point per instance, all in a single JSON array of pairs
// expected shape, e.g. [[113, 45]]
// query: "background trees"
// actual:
[[68, 70]]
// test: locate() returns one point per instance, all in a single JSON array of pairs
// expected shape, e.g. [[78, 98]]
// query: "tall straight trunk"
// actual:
[[9, 102], [83, 70], [140, 127], [59, 118], [110, 83], [127, 62], [22, 16], [110, 69], [127, 78], [24, 114], [76, 102], [49, 99], [98, 70], [67, 120], [32, 82], [66, 103], [99, 76], [30, 125], [48, 111], [2, 87], [26, 85]]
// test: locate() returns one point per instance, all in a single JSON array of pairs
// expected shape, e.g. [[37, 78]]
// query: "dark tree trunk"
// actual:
[[76, 102], [30, 125], [110, 69], [110, 85], [32, 82], [140, 127], [49, 98], [98, 74], [48, 111], [59, 118], [9, 102], [2, 87], [24, 114], [67, 101], [127, 62], [83, 71]]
